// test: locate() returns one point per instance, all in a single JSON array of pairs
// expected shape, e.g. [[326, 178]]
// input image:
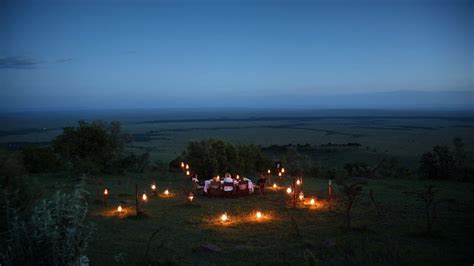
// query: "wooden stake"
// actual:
[[136, 198]]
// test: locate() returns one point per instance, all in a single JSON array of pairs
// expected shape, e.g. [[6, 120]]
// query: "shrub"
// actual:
[[40, 159], [55, 233]]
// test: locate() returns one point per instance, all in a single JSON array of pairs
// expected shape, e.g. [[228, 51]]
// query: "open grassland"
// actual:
[[393, 233]]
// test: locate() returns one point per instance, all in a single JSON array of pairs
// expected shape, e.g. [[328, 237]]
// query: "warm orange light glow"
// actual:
[[153, 187], [275, 185], [182, 164], [282, 170], [106, 192], [298, 182], [268, 171], [190, 197], [119, 208], [167, 192], [188, 172], [312, 201], [258, 215], [224, 217], [187, 166], [144, 197], [238, 177], [218, 178], [301, 196], [279, 173], [288, 190]]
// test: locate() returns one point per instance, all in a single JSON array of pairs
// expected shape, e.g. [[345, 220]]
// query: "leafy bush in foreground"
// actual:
[[54, 234]]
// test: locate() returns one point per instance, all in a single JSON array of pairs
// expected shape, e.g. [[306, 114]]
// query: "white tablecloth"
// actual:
[[207, 184]]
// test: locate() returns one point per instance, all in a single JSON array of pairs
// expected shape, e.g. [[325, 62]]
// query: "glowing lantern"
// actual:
[[187, 166], [119, 208], [218, 178], [258, 215], [288, 190], [188, 172], [144, 197], [268, 171], [298, 182], [224, 217], [279, 173], [238, 177], [282, 170], [167, 192], [153, 187], [275, 185], [190, 197], [182, 164], [312, 201], [106, 192], [301, 196]]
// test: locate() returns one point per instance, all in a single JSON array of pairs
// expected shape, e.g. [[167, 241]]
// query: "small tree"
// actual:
[[350, 191], [428, 197]]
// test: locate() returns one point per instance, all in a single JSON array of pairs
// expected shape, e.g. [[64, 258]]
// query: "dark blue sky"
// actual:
[[119, 54]]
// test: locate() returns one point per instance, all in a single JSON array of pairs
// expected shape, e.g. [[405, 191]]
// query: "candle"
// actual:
[[268, 171], [282, 170], [167, 192], [106, 192], [275, 185], [224, 217], [301, 196], [218, 178], [298, 182], [190, 197], [279, 173], [187, 166], [144, 197], [188, 172], [153, 187], [182, 164], [119, 208], [312, 201], [288, 190], [238, 177], [258, 215]]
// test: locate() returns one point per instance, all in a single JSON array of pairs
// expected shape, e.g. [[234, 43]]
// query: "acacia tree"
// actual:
[[350, 191]]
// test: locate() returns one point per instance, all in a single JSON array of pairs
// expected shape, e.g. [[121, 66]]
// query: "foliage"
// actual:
[[444, 162], [55, 233], [95, 147], [428, 196], [212, 157], [350, 190], [40, 159]]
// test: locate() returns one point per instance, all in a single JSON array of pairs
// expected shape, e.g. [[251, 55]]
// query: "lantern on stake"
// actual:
[[224, 217], [190, 197], [182, 164], [301, 196], [144, 197]]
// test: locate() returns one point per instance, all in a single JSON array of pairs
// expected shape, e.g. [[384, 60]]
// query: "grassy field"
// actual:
[[394, 236]]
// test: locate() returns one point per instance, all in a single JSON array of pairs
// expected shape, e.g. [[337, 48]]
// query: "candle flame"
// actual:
[[274, 185], [238, 177], [301, 196], [268, 171], [312, 201], [167, 192], [298, 182], [182, 164], [187, 166], [153, 187], [188, 173], [258, 215], [144, 197], [224, 217], [288, 190], [279, 173], [106, 191], [119, 208], [282, 170]]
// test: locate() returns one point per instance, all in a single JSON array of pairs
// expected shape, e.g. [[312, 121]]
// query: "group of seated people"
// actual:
[[229, 185]]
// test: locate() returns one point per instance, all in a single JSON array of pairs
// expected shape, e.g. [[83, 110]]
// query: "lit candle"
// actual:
[[188, 172], [144, 197], [218, 178], [268, 171], [282, 170], [275, 185], [288, 190], [106, 192], [167, 192], [190, 197], [238, 177], [153, 187], [312, 201], [187, 166], [119, 208], [258, 215], [298, 182], [224, 217], [182, 164], [301, 195], [279, 173]]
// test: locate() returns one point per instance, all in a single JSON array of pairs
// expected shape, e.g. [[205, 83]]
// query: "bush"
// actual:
[[40, 160], [55, 233]]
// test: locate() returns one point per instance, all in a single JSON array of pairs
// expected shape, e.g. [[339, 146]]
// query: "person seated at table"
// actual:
[[228, 179], [261, 181], [195, 179]]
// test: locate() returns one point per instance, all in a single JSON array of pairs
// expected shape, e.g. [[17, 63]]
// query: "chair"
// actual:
[[228, 189], [243, 188], [214, 189], [198, 188]]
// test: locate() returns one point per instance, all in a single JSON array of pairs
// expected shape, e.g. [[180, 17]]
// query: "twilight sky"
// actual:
[[141, 54]]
